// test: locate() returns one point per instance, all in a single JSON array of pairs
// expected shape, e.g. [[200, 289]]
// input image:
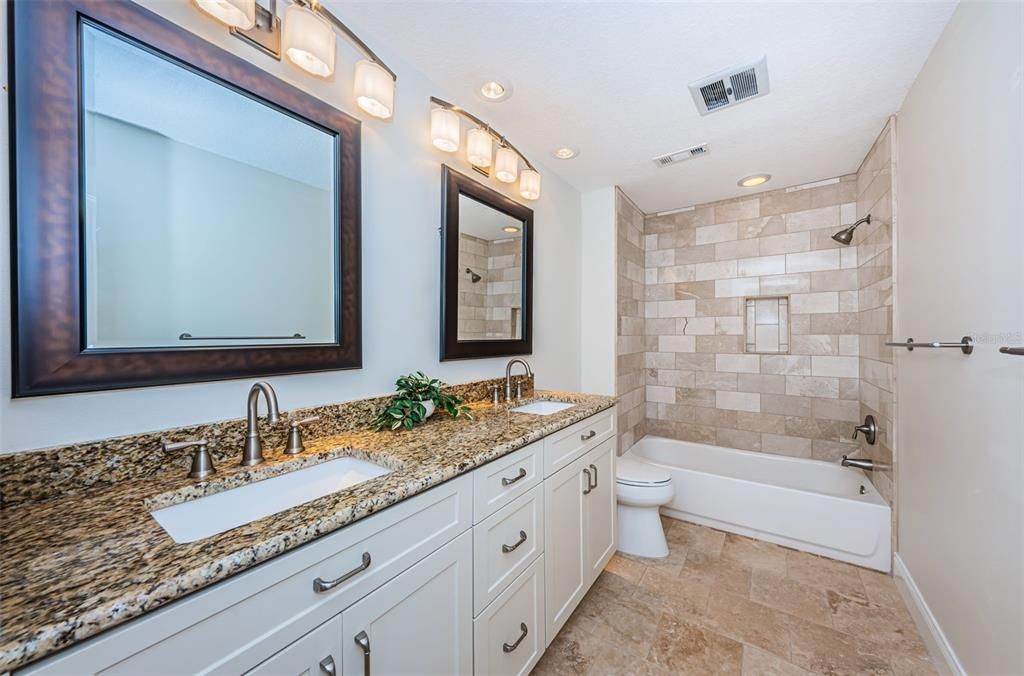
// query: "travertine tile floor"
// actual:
[[725, 604]]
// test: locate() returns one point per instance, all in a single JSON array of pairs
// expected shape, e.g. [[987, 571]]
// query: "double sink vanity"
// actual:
[[459, 547]]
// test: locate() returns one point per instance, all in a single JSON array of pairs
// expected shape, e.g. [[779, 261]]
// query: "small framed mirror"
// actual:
[[486, 271]]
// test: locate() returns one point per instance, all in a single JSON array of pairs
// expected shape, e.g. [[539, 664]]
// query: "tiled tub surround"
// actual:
[[700, 266], [629, 339], [73, 566], [875, 304]]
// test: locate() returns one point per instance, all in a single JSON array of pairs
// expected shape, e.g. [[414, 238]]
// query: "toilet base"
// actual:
[[640, 532]]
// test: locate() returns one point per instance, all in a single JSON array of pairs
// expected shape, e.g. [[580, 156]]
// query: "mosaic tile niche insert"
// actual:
[[767, 325]]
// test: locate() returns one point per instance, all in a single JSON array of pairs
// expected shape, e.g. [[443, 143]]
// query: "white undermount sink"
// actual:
[[542, 407], [220, 512]]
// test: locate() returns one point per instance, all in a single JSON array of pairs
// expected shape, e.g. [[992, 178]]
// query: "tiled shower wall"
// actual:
[[699, 265], [489, 308], [629, 342], [875, 303]]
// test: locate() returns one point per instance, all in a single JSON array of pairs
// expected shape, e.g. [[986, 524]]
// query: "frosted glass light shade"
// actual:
[[478, 147], [374, 89], [235, 13], [529, 184], [444, 129], [506, 165], [308, 40]]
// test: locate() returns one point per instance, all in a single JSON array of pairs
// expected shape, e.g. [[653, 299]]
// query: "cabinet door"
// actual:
[[420, 623], [599, 513], [565, 567], [317, 653]]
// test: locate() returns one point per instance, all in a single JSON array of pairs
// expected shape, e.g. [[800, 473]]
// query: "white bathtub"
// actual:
[[812, 505]]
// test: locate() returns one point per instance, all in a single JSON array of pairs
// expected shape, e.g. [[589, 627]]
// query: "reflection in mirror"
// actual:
[[209, 215], [490, 273]]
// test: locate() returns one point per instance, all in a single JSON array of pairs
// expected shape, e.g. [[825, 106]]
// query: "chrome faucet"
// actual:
[[860, 463], [508, 375], [252, 454]]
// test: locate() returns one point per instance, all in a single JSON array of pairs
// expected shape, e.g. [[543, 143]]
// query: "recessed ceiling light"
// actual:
[[510, 228], [495, 91], [565, 153], [754, 181]]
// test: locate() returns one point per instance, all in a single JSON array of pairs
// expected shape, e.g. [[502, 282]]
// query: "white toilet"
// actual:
[[641, 489]]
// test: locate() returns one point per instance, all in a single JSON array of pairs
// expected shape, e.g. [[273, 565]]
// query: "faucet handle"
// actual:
[[295, 444], [202, 462]]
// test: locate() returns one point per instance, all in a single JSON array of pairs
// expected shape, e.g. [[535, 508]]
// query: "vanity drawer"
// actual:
[[240, 622], [505, 544], [499, 482], [564, 446], [497, 648]]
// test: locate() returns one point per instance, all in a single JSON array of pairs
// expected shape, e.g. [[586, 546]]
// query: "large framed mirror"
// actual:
[[181, 215], [486, 271]]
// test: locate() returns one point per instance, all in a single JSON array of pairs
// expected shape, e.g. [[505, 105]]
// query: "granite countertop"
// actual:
[[72, 567]]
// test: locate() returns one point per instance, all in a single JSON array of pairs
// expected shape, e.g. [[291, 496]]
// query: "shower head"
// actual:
[[845, 236], [473, 277]]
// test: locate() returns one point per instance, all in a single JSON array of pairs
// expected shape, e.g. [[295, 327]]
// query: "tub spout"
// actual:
[[860, 463]]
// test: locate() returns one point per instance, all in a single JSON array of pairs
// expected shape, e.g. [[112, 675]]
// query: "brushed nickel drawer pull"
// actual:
[[588, 436], [327, 665], [320, 585], [589, 488], [510, 647], [594, 467], [511, 548], [505, 481], [363, 641]]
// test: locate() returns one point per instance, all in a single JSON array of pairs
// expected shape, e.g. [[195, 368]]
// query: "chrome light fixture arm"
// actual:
[[498, 137]]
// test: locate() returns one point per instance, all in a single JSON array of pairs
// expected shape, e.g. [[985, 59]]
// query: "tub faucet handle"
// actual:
[[869, 428]]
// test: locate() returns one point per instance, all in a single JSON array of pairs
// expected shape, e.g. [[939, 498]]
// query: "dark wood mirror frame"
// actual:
[[456, 184], [48, 351]]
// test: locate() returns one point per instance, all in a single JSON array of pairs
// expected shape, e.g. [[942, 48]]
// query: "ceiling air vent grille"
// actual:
[[681, 155], [714, 95], [731, 86]]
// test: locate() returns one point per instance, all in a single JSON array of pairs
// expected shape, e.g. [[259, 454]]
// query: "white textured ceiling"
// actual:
[[611, 79]]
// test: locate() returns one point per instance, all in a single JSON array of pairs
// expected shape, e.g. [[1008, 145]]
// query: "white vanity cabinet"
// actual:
[[476, 575], [579, 530]]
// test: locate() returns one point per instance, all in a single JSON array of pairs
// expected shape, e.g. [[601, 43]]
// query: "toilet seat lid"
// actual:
[[636, 473]]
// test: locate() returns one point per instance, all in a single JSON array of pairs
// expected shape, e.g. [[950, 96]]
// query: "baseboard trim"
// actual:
[[941, 651]]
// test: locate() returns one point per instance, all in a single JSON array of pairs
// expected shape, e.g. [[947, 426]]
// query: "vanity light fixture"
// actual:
[[307, 35], [234, 13], [480, 140], [565, 153], [754, 181], [506, 165]]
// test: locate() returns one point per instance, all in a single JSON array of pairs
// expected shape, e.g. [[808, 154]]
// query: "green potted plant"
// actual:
[[418, 397]]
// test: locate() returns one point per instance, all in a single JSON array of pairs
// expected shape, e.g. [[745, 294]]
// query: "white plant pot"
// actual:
[[429, 405]]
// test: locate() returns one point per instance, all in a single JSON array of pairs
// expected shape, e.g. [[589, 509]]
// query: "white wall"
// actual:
[[959, 193], [598, 316], [401, 205]]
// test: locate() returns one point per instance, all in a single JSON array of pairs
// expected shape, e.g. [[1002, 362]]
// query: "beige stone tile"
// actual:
[[762, 227], [780, 284], [790, 596], [827, 651], [715, 572], [782, 202], [913, 665], [812, 219], [813, 261], [757, 662], [784, 364], [881, 588], [812, 386], [737, 210], [891, 628], [750, 553], [761, 383], [716, 417], [687, 648], [796, 447], [723, 344], [713, 380], [741, 619], [629, 570], [785, 404], [795, 242], [741, 439], [680, 594], [695, 539], [817, 571], [712, 234], [631, 622], [741, 248], [695, 254], [761, 422], [730, 288]]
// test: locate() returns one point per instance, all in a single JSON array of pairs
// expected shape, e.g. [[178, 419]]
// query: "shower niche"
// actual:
[[766, 325]]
